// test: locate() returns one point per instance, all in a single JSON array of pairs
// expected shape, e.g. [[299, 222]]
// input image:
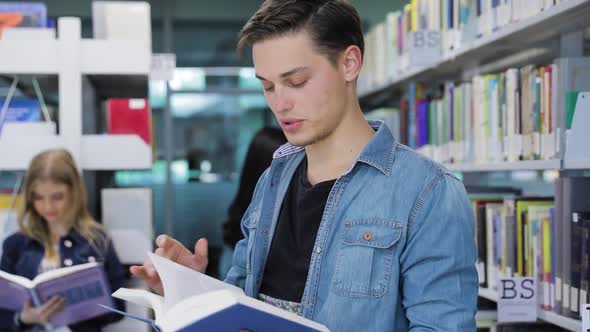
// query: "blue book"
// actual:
[[197, 302], [22, 110]]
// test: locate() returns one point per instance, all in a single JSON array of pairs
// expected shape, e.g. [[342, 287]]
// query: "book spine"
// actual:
[[585, 266], [576, 264], [35, 297]]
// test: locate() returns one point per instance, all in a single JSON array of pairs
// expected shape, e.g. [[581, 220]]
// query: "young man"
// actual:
[[347, 227]]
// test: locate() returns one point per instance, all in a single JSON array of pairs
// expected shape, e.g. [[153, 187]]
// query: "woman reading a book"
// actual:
[[56, 231]]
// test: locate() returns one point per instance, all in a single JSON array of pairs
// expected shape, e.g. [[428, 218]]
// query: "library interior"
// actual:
[[295, 165]]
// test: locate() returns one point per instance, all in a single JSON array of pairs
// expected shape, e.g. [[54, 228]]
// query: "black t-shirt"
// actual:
[[288, 261]]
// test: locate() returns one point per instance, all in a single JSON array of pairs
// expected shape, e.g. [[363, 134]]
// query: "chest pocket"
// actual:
[[363, 266]]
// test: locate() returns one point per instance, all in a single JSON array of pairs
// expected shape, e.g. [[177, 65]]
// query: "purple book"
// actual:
[[422, 121], [84, 288]]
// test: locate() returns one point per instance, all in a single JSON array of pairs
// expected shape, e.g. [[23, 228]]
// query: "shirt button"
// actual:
[[68, 262], [68, 243], [367, 236], [318, 250], [91, 259]]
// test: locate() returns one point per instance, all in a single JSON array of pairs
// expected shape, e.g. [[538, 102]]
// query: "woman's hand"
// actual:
[[41, 315]]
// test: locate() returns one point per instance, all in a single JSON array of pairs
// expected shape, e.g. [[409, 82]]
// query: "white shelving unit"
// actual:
[[567, 323], [576, 164], [69, 57], [527, 165], [562, 18]]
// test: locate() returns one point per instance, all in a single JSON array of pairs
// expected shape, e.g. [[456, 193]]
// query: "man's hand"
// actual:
[[42, 314], [176, 252]]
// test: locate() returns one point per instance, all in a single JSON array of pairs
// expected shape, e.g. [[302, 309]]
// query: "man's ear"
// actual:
[[352, 61]]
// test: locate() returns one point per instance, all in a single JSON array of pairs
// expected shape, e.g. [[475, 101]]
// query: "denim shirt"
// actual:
[[22, 256], [395, 249]]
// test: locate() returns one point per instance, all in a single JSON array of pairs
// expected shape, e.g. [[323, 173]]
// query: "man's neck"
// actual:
[[333, 156]]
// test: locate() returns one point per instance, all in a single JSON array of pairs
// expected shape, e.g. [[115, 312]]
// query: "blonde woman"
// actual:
[[56, 230]]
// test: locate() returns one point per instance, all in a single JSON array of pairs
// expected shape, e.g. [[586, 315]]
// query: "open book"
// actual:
[[196, 302], [83, 288]]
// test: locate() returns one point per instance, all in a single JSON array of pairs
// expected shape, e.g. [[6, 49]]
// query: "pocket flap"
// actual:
[[372, 233], [251, 220]]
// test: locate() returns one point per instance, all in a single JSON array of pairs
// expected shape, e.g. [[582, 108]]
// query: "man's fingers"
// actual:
[[138, 271], [202, 248], [169, 247]]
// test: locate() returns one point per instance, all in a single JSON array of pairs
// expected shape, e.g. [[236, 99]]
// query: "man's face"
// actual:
[[304, 90]]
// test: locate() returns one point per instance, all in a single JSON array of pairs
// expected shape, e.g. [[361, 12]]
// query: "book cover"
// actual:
[[129, 116], [22, 110]]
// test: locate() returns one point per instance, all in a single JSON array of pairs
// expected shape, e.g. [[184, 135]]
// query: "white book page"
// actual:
[[143, 298], [180, 282], [61, 272], [16, 279]]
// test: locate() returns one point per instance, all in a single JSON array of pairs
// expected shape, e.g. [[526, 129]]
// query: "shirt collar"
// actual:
[[378, 153], [73, 236]]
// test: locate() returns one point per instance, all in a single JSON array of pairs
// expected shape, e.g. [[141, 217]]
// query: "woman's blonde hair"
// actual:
[[58, 166]]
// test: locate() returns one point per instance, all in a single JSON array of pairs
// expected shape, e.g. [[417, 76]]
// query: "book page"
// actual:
[[180, 282], [24, 282], [143, 298], [61, 272]]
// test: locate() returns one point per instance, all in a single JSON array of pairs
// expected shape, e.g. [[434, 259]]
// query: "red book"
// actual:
[[130, 116]]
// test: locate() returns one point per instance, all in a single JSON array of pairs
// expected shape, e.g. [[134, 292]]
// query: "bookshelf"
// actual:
[[567, 16], [567, 323], [112, 65], [505, 95]]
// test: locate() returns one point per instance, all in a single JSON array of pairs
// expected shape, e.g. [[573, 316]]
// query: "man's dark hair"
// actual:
[[333, 25]]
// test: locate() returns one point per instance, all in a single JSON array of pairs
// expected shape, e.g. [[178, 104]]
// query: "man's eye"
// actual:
[[297, 84], [269, 89]]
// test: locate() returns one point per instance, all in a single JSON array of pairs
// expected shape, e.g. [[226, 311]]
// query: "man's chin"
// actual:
[[299, 141]]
